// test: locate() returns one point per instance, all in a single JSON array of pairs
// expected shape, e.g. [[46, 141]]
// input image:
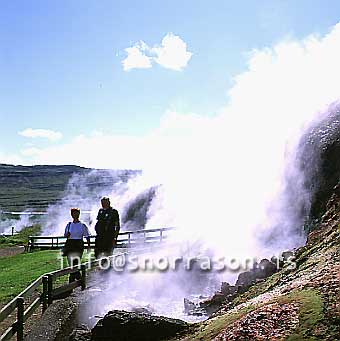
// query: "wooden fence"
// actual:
[[44, 299], [49, 293], [125, 239], [48, 280]]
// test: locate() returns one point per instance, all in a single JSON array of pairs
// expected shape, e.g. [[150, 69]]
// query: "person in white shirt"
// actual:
[[75, 231]]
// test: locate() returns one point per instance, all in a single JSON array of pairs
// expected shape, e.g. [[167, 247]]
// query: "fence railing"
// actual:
[[48, 280], [125, 239], [49, 293]]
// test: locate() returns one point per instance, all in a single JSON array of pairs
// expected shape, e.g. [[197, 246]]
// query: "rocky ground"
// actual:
[[292, 304]]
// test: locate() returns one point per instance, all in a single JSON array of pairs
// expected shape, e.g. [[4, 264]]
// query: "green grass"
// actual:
[[17, 272], [21, 238]]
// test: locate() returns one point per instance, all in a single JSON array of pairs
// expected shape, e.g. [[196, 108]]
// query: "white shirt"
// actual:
[[77, 230]]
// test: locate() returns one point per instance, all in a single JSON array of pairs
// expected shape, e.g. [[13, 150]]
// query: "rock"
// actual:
[[241, 289], [213, 304], [267, 268], [81, 333], [319, 154], [286, 255], [227, 289], [131, 326], [189, 306], [245, 279], [134, 216]]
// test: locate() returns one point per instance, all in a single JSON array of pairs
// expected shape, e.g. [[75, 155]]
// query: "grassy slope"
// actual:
[[33, 186], [36, 187], [17, 272]]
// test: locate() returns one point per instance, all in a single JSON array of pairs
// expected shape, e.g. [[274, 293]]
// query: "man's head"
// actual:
[[75, 213], [105, 202]]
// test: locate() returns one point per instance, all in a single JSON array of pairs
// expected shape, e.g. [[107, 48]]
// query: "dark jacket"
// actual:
[[108, 225]]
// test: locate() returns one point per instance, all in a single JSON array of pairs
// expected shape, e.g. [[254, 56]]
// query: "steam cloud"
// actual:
[[222, 179], [18, 224]]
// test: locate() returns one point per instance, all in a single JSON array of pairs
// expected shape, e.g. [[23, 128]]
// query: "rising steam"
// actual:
[[222, 180]]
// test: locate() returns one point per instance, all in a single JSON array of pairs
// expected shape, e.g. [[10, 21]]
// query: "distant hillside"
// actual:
[[35, 187]]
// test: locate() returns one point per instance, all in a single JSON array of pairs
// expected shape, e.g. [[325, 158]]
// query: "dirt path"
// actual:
[[11, 251]]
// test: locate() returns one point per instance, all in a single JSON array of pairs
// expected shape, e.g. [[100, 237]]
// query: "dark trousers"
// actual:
[[75, 249], [103, 247]]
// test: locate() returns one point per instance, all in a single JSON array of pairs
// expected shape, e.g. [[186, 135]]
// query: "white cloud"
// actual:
[[282, 88], [172, 54], [136, 59], [41, 133]]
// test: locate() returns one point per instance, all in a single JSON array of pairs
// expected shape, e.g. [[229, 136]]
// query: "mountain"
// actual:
[[35, 187]]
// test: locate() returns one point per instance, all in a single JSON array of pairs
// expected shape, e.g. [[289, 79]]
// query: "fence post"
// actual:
[[83, 276], [20, 318], [129, 238], [45, 293], [57, 243], [49, 289], [31, 246], [161, 236], [12, 230]]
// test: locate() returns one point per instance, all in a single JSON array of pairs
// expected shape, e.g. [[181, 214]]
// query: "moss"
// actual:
[[212, 328], [310, 315], [310, 312]]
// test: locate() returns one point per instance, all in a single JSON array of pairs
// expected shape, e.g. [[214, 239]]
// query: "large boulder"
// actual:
[[122, 325], [267, 268], [246, 279]]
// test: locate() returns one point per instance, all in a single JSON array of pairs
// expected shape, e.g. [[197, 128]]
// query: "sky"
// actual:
[[114, 74]]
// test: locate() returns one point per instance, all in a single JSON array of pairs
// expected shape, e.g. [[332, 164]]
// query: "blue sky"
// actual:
[[61, 61]]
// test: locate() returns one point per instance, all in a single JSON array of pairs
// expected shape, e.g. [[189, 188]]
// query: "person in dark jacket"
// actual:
[[107, 229], [75, 231]]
